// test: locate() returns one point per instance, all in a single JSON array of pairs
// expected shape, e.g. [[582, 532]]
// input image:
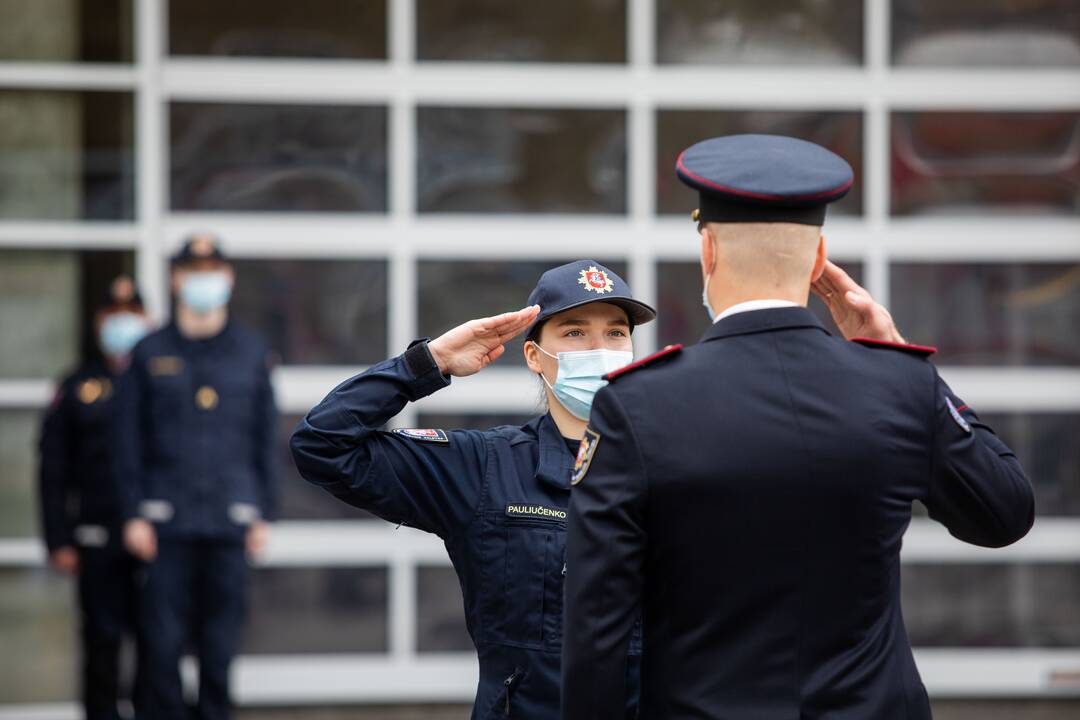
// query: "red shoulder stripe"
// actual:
[[669, 350], [923, 350]]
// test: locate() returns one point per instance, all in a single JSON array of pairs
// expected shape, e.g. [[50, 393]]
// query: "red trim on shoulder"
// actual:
[[924, 350], [669, 350]]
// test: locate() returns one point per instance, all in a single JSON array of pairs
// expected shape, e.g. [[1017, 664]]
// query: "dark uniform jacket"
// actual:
[[751, 494], [79, 504], [497, 498], [197, 433]]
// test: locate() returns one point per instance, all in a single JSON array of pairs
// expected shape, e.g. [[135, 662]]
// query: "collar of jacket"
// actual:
[[555, 463], [759, 321]]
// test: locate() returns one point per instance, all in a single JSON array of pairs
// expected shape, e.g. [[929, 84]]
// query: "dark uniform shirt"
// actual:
[[498, 500], [197, 433], [751, 494], [79, 504]]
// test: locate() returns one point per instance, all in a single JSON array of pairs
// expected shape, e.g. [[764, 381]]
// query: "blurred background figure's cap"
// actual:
[[121, 294], [582, 282], [198, 247], [763, 178]]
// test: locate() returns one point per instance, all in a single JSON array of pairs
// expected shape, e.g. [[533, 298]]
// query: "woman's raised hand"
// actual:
[[469, 348]]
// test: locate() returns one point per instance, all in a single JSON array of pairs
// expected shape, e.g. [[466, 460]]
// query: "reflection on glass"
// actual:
[[66, 30], [243, 157], [1007, 605], [350, 29], [317, 610], [301, 500], [440, 615], [38, 625], [492, 287], [999, 33], [681, 316], [1046, 444], [677, 130], [66, 155], [315, 312], [974, 162], [580, 31], [990, 313], [472, 421], [499, 160], [19, 433], [760, 32], [39, 299]]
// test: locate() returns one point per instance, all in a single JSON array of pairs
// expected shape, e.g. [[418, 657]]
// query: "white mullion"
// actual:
[[67, 76], [151, 152], [876, 182]]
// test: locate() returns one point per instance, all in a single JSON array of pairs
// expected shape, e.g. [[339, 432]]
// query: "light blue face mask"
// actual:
[[581, 375], [120, 332], [204, 292]]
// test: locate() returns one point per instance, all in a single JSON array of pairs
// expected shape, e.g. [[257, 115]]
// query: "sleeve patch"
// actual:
[[585, 455], [423, 434], [957, 417]]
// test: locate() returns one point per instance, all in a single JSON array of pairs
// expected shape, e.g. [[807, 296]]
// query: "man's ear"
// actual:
[[708, 252], [820, 259]]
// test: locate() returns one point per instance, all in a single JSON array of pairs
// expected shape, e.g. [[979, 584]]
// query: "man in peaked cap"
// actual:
[[748, 495]]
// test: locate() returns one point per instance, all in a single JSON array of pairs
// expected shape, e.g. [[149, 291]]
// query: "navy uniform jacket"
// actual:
[[79, 504], [497, 498], [751, 494], [197, 432]]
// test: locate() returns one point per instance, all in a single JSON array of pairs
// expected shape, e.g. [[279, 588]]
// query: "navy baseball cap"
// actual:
[[200, 246], [580, 283], [763, 178]]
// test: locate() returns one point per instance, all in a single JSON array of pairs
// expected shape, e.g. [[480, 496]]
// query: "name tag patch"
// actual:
[[957, 416], [535, 512], [423, 434], [165, 365]]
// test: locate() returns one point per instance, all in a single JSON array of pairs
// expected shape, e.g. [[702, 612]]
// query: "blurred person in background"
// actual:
[[81, 514], [497, 498], [197, 473]]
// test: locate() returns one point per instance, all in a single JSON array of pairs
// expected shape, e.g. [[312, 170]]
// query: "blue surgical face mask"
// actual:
[[705, 300], [581, 375], [205, 292], [120, 332]]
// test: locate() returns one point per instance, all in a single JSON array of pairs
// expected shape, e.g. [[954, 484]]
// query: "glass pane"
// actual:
[[1012, 605], [37, 622], [990, 313], [1046, 444], [300, 500], [472, 421], [998, 33], [278, 157], [66, 30], [677, 130], [47, 303], [19, 433], [317, 610], [679, 310], [975, 162], [278, 28], [580, 31], [493, 287], [316, 312], [440, 614], [760, 32], [499, 160], [66, 155]]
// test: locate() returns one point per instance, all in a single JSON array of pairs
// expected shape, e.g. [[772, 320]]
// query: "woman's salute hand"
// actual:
[[469, 348]]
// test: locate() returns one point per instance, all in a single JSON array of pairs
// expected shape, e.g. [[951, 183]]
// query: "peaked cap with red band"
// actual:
[[763, 178]]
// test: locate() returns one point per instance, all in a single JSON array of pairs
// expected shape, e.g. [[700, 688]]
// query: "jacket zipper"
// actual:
[[510, 683]]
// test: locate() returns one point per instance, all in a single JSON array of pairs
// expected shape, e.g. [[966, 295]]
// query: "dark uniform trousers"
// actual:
[[198, 421], [80, 509], [750, 494]]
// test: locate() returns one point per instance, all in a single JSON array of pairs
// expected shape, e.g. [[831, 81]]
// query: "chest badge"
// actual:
[[596, 280], [585, 455], [90, 391], [206, 398], [423, 434], [957, 417]]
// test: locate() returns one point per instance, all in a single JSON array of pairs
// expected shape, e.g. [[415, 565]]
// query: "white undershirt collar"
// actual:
[[750, 305]]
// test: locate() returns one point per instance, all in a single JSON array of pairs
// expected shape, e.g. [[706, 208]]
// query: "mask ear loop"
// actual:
[[553, 357]]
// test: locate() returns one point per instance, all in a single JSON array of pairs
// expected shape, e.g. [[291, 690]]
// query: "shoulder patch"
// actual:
[[584, 455], [956, 416], [920, 350], [423, 434], [669, 351]]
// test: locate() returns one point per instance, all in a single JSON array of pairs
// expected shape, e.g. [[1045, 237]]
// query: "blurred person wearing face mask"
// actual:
[[80, 510], [197, 474]]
